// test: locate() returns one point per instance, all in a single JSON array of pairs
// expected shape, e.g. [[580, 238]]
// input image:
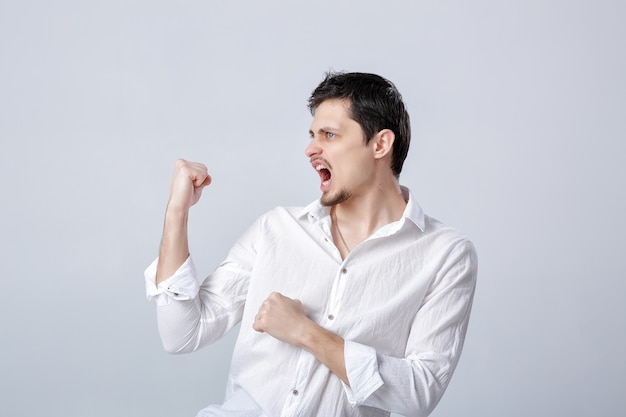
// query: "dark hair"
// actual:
[[375, 104]]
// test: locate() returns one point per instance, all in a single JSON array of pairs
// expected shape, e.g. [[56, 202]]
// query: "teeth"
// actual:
[[320, 167]]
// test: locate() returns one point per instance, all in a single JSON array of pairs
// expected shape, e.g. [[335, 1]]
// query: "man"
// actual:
[[356, 305]]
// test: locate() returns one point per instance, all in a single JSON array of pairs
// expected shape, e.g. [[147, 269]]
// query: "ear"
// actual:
[[382, 143]]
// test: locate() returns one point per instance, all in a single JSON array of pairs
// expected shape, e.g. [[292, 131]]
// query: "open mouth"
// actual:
[[324, 173]]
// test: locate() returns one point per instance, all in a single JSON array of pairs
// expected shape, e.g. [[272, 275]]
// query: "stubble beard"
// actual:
[[329, 200]]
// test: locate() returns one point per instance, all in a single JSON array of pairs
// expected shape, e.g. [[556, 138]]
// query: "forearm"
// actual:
[[174, 244], [285, 319], [188, 180], [327, 347]]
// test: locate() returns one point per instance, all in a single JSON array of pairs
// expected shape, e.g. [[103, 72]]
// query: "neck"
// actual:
[[364, 213]]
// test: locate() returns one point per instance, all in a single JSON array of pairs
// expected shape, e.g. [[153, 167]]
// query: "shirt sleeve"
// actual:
[[362, 370], [183, 285], [194, 312], [413, 385]]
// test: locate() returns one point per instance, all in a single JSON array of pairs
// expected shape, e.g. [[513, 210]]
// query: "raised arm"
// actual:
[[188, 181]]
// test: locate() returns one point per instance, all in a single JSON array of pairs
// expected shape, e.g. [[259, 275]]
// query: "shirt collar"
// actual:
[[413, 212]]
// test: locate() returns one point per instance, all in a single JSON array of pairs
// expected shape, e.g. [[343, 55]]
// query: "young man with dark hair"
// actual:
[[355, 305], [375, 104]]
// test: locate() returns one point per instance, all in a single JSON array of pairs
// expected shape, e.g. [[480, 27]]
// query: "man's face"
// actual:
[[338, 153]]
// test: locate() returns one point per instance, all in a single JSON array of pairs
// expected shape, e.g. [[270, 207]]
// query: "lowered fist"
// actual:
[[283, 318]]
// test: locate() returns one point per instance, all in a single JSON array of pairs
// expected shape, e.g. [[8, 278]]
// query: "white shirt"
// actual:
[[401, 300]]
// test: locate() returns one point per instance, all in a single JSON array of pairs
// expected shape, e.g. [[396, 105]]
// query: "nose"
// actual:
[[313, 148]]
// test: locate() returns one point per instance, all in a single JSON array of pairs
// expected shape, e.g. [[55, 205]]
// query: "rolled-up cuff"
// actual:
[[362, 370], [183, 285]]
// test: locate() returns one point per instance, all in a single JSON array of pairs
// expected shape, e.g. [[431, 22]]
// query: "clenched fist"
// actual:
[[188, 181], [283, 318]]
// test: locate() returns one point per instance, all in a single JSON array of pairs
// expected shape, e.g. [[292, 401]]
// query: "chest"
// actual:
[[371, 297]]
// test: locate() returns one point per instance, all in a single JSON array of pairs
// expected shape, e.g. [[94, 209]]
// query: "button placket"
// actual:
[[335, 295], [301, 376]]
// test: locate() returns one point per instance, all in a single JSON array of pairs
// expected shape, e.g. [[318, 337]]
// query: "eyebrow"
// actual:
[[324, 129]]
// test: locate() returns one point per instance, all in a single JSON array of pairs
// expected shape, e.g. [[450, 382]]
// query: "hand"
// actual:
[[188, 181], [283, 318]]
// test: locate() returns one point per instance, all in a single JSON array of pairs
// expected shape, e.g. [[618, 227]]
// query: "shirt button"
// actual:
[[331, 317], [295, 392], [344, 271]]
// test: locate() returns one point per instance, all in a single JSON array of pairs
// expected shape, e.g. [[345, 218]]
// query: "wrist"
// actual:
[[308, 335], [176, 213], [313, 336]]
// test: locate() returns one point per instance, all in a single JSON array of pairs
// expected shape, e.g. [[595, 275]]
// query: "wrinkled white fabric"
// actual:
[[401, 300]]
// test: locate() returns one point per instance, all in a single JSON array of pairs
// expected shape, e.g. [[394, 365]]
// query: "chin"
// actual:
[[330, 199]]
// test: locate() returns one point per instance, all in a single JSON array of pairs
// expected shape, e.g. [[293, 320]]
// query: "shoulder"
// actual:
[[284, 211], [281, 215], [447, 238]]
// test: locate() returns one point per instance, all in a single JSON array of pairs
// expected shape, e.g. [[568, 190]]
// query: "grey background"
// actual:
[[518, 112]]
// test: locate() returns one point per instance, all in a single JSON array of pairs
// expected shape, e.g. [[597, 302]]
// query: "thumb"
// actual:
[[199, 182]]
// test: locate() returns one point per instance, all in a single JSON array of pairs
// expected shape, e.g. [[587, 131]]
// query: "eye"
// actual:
[[330, 135]]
